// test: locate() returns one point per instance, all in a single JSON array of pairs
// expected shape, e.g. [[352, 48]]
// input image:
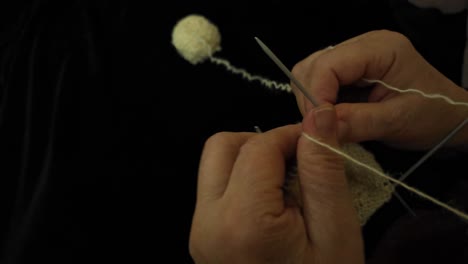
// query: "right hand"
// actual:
[[404, 120]]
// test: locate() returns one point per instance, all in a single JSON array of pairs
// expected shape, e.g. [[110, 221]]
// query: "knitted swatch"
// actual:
[[369, 192]]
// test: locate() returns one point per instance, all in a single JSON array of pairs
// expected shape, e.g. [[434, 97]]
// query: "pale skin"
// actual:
[[241, 215], [402, 120]]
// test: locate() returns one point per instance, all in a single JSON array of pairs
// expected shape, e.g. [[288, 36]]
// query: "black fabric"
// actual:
[[102, 123]]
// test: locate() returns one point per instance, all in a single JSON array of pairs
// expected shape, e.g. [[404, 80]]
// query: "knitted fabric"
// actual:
[[369, 192], [197, 39]]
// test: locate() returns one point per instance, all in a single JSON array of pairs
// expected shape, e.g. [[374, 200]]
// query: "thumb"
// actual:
[[329, 214]]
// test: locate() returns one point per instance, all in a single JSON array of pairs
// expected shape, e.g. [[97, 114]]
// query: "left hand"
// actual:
[[241, 215]]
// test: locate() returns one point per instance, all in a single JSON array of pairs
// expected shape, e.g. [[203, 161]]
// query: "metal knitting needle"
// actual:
[[312, 100], [278, 62], [286, 71], [433, 150], [425, 157]]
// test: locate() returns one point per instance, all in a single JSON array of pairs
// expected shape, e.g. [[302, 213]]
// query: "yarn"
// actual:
[[369, 193], [196, 38], [429, 96], [384, 176], [249, 77]]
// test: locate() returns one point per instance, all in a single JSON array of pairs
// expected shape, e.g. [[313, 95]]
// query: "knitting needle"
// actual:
[[434, 149], [402, 201], [285, 70], [278, 62], [425, 157]]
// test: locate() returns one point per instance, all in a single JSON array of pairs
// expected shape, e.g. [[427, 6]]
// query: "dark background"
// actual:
[[102, 123]]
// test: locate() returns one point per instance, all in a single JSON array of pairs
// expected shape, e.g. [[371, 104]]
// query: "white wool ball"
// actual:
[[196, 38]]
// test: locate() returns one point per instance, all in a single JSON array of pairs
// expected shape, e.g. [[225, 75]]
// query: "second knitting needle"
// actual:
[[285, 70]]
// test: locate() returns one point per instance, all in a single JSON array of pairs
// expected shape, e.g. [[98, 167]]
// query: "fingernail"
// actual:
[[325, 117]]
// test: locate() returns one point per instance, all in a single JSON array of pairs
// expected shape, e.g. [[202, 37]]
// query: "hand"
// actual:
[[403, 120], [241, 215]]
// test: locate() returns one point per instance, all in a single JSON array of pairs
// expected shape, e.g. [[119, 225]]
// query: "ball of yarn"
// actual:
[[196, 38]]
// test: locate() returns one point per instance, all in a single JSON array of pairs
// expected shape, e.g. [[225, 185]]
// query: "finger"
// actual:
[[328, 209], [218, 157], [303, 103], [258, 174], [368, 121], [302, 75], [368, 56]]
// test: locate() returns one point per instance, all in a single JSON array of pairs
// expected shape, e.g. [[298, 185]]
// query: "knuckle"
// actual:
[[394, 117], [251, 145], [398, 36], [395, 37], [397, 121], [218, 139], [300, 72], [388, 34], [299, 69], [389, 123], [303, 68]]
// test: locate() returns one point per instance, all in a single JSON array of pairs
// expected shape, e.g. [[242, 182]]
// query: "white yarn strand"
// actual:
[[197, 39], [429, 96], [249, 77], [383, 175]]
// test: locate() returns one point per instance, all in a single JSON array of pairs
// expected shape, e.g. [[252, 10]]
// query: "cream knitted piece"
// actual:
[[369, 192]]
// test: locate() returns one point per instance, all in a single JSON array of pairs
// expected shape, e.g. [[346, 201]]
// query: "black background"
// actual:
[[102, 123]]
